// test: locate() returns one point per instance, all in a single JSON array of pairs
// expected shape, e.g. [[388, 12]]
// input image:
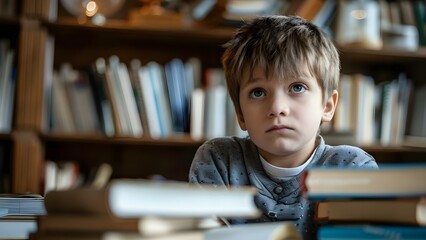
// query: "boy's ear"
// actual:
[[330, 107], [241, 121]]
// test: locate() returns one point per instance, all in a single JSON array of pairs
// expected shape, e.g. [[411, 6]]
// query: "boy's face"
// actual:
[[282, 116]]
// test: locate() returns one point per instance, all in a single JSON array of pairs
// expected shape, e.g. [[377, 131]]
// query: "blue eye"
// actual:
[[257, 93], [298, 88]]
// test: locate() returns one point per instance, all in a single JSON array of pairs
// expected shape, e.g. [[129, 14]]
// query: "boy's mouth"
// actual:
[[278, 128]]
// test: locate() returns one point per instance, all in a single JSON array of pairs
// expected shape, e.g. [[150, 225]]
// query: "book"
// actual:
[[390, 181], [159, 88], [80, 99], [149, 103], [175, 81], [116, 94], [23, 204], [7, 85], [17, 227], [129, 198], [419, 8], [62, 117], [129, 97], [365, 232], [416, 125], [96, 76], [3, 212], [215, 103], [134, 67], [146, 226], [410, 211], [253, 231], [197, 114], [415, 141]]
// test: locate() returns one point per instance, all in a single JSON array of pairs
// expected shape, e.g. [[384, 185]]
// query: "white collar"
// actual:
[[284, 173]]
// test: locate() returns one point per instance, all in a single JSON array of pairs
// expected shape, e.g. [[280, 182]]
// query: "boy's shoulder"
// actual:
[[344, 155]]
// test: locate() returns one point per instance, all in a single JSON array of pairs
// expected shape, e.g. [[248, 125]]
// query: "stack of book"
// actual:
[[143, 209], [385, 203], [18, 214]]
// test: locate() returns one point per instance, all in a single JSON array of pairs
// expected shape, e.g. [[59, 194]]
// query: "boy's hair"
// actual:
[[283, 46]]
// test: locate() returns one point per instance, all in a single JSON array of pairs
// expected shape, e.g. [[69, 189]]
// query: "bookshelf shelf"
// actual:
[[9, 21], [5, 137], [81, 44], [129, 157], [195, 32], [184, 140], [383, 55]]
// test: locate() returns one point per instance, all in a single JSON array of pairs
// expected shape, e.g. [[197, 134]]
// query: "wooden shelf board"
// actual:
[[183, 140], [5, 136], [360, 54], [143, 31]]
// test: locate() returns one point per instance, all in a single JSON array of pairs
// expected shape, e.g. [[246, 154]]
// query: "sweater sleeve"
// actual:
[[347, 156], [207, 166]]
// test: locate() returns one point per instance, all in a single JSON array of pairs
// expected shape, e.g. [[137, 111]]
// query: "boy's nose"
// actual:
[[279, 106]]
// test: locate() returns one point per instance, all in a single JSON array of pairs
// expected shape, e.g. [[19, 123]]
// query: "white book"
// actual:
[[389, 102], [215, 112], [341, 119], [62, 118], [161, 96], [254, 231], [232, 126], [6, 87], [128, 198], [403, 98], [117, 98], [17, 228], [130, 101], [149, 103], [51, 171], [197, 114], [369, 113]]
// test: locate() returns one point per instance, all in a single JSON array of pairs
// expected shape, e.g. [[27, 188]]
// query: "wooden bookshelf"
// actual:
[[146, 42], [81, 44], [130, 157]]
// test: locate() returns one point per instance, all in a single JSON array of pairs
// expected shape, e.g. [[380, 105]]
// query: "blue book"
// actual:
[[3, 212], [366, 232], [177, 94]]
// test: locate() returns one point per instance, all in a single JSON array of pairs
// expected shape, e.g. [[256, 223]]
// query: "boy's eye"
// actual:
[[298, 88], [257, 93]]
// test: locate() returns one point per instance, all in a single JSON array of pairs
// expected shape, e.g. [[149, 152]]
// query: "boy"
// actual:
[[282, 74]]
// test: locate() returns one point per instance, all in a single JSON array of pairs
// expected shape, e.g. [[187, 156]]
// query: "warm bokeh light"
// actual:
[[91, 8], [359, 14]]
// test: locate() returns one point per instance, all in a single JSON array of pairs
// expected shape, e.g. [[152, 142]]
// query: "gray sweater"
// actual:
[[234, 161]]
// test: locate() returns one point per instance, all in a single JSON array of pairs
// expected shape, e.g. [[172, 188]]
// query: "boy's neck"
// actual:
[[291, 160]]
